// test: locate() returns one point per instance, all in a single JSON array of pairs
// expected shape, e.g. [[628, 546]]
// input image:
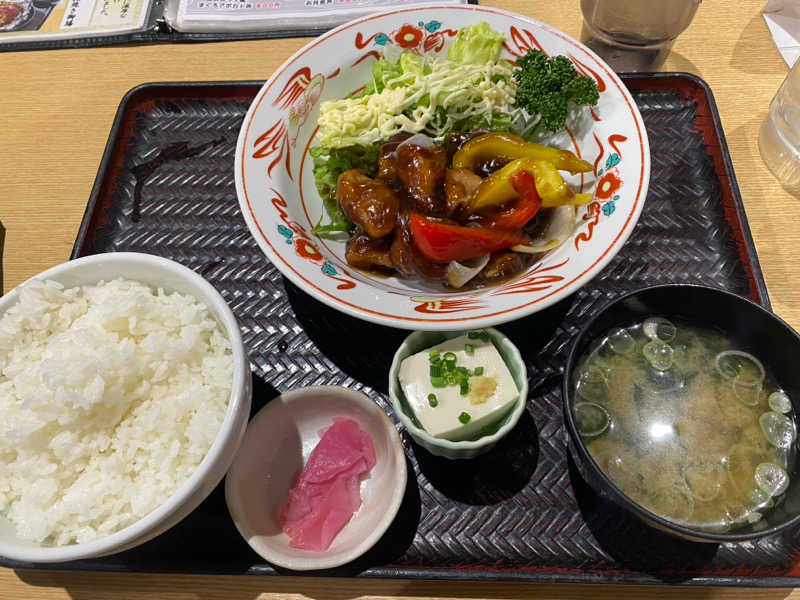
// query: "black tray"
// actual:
[[520, 513]]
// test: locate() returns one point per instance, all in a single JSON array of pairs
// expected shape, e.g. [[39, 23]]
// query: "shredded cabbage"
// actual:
[[420, 94]]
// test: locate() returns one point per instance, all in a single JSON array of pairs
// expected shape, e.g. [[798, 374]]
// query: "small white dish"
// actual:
[[277, 444]]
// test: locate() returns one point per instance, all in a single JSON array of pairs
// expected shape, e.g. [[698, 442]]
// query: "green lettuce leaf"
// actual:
[[477, 44], [329, 163]]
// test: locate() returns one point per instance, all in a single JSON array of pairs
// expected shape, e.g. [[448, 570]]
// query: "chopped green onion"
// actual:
[[478, 371], [591, 419], [469, 348], [433, 400], [449, 356], [659, 329], [778, 429], [433, 354], [437, 382], [464, 387], [658, 354], [770, 478], [779, 402], [435, 371], [464, 418], [478, 335]]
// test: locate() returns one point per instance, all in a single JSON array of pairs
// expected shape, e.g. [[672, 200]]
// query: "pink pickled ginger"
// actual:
[[327, 492]]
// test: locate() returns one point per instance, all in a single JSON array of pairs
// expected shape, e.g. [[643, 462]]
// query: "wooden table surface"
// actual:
[[57, 108]]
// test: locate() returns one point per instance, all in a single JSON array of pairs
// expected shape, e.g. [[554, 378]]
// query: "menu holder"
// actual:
[[30, 21]]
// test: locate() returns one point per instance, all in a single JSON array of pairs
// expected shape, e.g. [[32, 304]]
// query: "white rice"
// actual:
[[110, 396]]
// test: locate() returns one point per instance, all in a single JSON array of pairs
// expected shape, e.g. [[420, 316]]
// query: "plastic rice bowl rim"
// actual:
[[463, 448], [239, 400], [620, 497], [373, 309], [320, 561]]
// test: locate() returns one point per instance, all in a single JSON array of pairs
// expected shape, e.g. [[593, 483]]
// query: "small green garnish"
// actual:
[[443, 369], [464, 418], [547, 84], [478, 335], [433, 400]]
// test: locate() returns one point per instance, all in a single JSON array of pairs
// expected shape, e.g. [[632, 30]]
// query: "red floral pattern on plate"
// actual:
[[607, 186]]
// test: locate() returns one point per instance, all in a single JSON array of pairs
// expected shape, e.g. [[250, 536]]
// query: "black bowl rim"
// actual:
[[619, 496]]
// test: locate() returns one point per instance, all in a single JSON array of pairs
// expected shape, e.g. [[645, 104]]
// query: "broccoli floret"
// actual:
[[582, 90], [545, 85]]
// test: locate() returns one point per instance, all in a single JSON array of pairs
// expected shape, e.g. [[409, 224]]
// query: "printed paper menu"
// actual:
[[266, 15], [40, 20]]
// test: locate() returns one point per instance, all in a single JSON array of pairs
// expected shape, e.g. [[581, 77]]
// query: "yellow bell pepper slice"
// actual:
[[507, 147], [497, 188]]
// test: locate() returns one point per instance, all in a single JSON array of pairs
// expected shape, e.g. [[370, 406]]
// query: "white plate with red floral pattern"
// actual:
[[277, 195]]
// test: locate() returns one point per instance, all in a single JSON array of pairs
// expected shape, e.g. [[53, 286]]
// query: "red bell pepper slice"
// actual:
[[520, 211], [441, 242]]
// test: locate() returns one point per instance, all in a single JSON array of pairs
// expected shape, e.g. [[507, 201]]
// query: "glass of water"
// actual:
[[635, 35], [779, 138]]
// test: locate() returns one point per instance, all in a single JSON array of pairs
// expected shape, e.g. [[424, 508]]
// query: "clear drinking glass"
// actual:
[[635, 35], [779, 138]]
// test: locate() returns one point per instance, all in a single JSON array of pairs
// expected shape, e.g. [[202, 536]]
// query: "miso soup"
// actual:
[[687, 425]]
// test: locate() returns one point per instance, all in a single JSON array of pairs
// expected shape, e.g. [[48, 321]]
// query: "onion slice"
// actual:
[[558, 229], [458, 274], [418, 139]]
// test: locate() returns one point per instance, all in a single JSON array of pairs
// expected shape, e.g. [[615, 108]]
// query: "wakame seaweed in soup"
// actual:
[[688, 426]]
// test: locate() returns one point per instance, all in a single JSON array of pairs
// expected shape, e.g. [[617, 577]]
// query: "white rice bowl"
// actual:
[[117, 411]]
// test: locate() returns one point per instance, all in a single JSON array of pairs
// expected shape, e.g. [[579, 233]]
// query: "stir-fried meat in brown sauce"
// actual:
[[458, 187], [407, 258], [501, 266], [369, 203], [387, 167], [421, 171], [415, 181], [364, 252]]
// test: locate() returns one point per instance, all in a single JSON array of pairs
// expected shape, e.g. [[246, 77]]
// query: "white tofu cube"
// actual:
[[490, 395]]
